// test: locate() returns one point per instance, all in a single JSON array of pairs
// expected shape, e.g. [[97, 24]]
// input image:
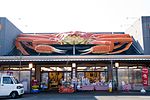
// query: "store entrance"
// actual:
[[51, 80], [51, 77], [93, 76], [55, 79]]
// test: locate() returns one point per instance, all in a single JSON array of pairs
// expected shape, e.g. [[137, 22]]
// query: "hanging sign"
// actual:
[[145, 76]]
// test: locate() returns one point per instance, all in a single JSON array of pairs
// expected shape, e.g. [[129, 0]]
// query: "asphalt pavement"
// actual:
[[84, 95]]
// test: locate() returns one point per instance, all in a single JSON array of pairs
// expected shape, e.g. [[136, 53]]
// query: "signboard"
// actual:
[[75, 42], [145, 76]]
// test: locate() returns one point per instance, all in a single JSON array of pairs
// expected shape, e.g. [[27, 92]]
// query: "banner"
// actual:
[[145, 76]]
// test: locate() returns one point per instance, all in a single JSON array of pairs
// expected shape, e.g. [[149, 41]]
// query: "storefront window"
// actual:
[[94, 74], [80, 75], [135, 76], [67, 76], [123, 75], [129, 75], [44, 80]]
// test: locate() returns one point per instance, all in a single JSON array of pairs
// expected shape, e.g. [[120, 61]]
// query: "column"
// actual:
[[74, 70], [116, 73], [110, 76], [110, 71], [38, 73]]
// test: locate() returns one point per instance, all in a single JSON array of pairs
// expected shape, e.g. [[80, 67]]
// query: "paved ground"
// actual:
[[122, 97], [84, 96]]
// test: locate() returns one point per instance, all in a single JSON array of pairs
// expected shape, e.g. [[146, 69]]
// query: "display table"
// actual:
[[127, 87], [35, 86], [87, 87], [64, 89], [137, 86], [101, 87]]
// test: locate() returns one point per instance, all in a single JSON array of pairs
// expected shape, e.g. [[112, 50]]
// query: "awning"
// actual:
[[76, 58]]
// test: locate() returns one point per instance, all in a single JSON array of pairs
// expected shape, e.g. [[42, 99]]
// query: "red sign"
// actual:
[[145, 76]]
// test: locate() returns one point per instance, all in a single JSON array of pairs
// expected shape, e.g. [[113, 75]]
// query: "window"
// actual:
[[7, 80], [16, 81]]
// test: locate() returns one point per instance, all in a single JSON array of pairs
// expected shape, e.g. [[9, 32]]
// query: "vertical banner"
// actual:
[[145, 76]]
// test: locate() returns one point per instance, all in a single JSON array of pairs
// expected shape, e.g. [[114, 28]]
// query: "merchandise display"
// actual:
[[35, 86]]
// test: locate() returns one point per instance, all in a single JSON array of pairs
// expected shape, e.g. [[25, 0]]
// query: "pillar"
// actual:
[[74, 70], [38, 73], [110, 71]]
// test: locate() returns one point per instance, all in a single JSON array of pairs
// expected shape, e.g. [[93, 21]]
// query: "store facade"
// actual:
[[51, 69], [114, 57]]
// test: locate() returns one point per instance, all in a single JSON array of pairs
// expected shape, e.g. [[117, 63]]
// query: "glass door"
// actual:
[[92, 76], [55, 78], [44, 80]]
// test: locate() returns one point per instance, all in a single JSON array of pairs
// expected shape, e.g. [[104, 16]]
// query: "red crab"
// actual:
[[103, 43]]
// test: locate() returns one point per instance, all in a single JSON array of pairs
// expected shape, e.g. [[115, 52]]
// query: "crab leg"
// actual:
[[118, 46], [124, 49], [19, 47], [102, 47], [47, 49], [97, 49], [27, 45]]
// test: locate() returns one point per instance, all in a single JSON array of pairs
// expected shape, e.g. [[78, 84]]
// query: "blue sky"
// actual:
[[73, 15]]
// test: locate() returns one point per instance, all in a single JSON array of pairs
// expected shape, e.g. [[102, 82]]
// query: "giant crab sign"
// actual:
[[102, 43]]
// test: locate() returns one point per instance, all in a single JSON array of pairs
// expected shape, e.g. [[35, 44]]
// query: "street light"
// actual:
[[73, 65], [116, 64], [30, 65]]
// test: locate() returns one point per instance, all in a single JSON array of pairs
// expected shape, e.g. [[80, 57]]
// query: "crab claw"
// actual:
[[96, 49], [48, 49], [86, 51], [59, 51]]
